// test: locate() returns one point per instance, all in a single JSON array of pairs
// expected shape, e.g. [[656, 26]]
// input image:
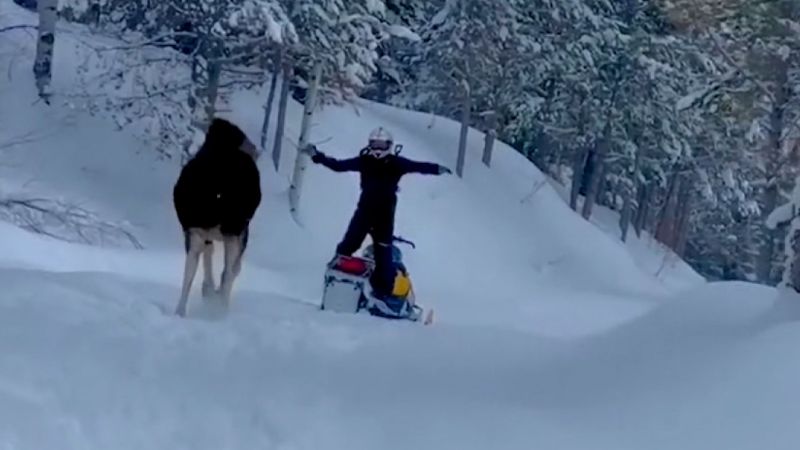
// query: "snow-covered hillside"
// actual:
[[549, 334]]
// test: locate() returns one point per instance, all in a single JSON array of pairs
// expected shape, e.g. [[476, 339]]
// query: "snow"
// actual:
[[274, 29], [376, 6], [690, 99], [404, 32], [443, 14], [549, 333], [781, 215]]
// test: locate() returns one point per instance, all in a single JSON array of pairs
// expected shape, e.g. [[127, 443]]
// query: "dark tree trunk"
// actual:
[[766, 256], [598, 173], [667, 222], [578, 169], [642, 208], [488, 143], [273, 85], [282, 106], [682, 233], [466, 114]]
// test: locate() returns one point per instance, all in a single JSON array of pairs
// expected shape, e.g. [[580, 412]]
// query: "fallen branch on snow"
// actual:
[[63, 221], [18, 27]]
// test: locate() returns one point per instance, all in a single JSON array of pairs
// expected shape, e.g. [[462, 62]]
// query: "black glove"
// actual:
[[316, 155], [444, 170]]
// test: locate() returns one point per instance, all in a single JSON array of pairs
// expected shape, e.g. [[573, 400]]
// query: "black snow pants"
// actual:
[[378, 222]]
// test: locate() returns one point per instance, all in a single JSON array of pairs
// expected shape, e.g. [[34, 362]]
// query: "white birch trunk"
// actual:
[[302, 158], [43, 64]]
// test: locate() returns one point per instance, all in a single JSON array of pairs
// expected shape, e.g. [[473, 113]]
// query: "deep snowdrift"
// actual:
[[550, 334], [91, 360]]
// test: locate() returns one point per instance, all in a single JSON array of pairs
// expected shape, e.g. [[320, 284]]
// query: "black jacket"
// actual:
[[379, 177]]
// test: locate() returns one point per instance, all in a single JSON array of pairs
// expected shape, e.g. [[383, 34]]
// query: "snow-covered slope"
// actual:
[[489, 251], [550, 333]]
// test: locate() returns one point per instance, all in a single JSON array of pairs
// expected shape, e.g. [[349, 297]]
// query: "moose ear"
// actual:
[[250, 148], [398, 148]]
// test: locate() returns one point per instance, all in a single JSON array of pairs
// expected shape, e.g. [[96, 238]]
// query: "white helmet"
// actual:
[[380, 143]]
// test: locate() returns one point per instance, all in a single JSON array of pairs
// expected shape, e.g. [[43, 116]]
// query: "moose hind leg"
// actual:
[[233, 251], [194, 245], [209, 288], [237, 266]]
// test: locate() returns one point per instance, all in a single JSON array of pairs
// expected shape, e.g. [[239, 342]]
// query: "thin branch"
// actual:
[[63, 221], [157, 41], [27, 138], [538, 185], [17, 27]]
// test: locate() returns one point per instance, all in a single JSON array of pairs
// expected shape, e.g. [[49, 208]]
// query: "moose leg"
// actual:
[[237, 266], [208, 270], [194, 246], [233, 250]]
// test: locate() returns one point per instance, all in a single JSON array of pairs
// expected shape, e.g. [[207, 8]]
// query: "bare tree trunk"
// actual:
[[667, 222], [301, 160], [93, 13], [491, 135], [466, 106], [627, 206], [685, 201], [794, 267], [43, 64], [580, 160], [270, 101], [766, 255], [282, 106], [578, 169], [791, 273], [212, 90], [625, 215], [651, 216], [598, 173], [642, 209]]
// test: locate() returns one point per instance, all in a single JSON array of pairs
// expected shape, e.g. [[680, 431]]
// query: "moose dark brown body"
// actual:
[[216, 196]]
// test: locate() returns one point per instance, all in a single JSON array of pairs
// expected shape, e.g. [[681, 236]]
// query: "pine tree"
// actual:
[[756, 41], [468, 56]]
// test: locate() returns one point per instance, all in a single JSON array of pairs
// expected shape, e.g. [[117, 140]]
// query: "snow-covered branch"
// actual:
[[765, 90], [64, 221], [17, 27]]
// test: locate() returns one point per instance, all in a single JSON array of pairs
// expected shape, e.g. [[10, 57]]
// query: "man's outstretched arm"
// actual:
[[337, 165], [424, 168]]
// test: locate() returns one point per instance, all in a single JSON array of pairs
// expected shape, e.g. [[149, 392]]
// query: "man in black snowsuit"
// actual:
[[381, 169]]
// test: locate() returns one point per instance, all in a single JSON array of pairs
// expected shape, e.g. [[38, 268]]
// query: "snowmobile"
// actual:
[[347, 288]]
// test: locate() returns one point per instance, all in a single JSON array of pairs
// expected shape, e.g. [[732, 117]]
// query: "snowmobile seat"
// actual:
[[352, 265]]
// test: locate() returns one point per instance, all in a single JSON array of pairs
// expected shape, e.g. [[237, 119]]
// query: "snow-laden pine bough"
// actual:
[[215, 198], [347, 288]]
